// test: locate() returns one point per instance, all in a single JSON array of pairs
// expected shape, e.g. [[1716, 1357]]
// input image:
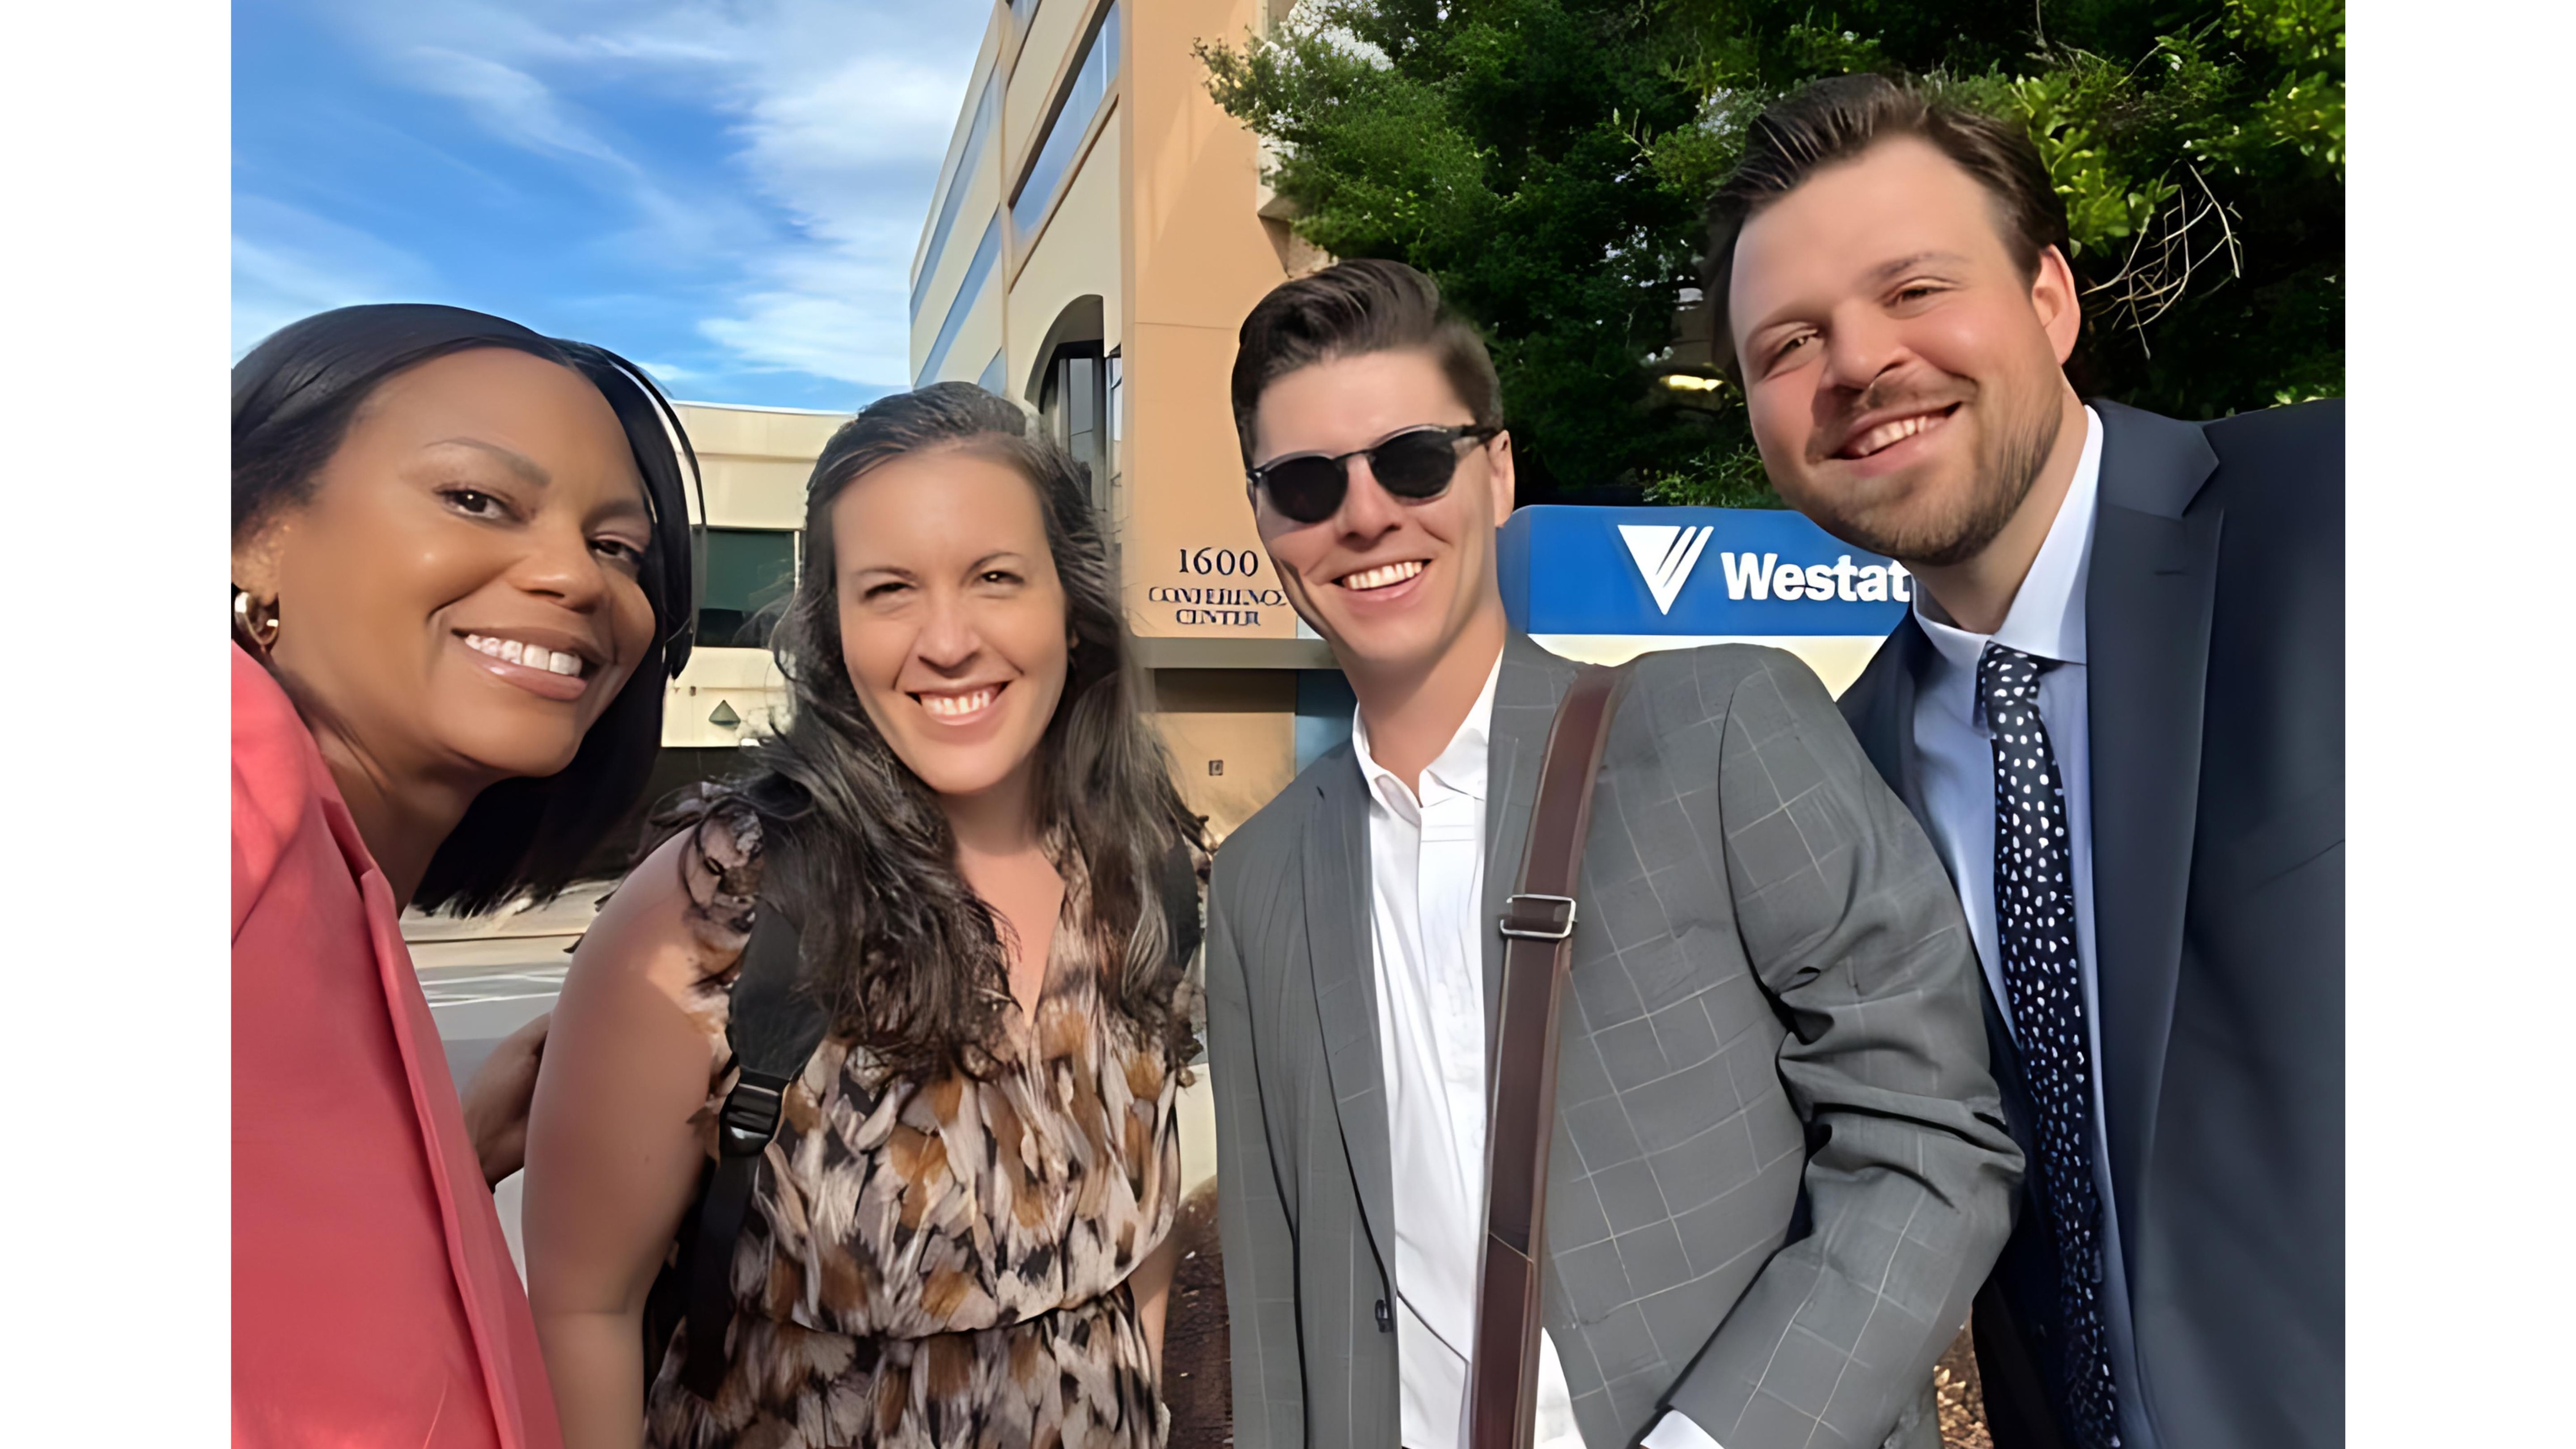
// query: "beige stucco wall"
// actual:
[[1159, 218], [983, 183], [1038, 65], [980, 174], [1241, 722], [1200, 259], [977, 337], [1075, 254], [753, 463]]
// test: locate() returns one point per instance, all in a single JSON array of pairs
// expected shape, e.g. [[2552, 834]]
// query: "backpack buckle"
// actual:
[[1538, 918], [749, 1119]]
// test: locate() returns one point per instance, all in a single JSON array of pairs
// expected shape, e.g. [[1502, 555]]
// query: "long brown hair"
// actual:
[[909, 960]]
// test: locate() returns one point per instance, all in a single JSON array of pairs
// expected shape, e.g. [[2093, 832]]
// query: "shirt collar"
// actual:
[[2047, 614], [1460, 767]]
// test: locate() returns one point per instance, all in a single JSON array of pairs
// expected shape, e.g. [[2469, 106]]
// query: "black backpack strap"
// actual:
[[1178, 883], [773, 1028]]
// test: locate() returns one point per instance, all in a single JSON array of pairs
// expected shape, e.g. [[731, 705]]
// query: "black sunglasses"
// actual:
[[1415, 465]]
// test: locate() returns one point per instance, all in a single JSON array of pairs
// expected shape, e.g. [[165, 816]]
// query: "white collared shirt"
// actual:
[[1956, 764], [1427, 928]]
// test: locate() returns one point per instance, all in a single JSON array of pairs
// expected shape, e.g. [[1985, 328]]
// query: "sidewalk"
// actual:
[[568, 914], [486, 976]]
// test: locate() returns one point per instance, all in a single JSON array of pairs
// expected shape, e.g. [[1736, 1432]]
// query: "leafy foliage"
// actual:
[[1549, 162]]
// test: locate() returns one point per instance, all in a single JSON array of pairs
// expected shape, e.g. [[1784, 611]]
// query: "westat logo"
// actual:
[[1705, 573], [1667, 553], [1768, 578]]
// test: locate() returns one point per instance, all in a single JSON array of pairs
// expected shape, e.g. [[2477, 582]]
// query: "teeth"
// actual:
[[1382, 575], [956, 706], [1888, 435], [532, 656]]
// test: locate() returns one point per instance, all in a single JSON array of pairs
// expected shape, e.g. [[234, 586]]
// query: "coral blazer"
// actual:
[[374, 1301]]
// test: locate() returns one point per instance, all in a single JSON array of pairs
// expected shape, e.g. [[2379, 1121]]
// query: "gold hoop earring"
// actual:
[[260, 633]]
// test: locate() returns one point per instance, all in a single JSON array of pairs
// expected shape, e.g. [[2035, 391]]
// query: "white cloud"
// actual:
[[289, 263], [821, 311], [512, 104], [667, 374], [842, 112]]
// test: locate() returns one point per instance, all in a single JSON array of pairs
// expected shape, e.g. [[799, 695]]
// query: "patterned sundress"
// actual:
[[944, 1265]]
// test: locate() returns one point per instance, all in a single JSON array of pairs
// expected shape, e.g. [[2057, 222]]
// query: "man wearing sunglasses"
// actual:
[[1778, 1167]]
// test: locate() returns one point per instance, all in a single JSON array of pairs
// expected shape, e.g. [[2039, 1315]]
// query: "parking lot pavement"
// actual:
[[476, 1006], [487, 976]]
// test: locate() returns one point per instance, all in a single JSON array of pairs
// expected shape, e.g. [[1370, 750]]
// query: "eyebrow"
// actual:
[[534, 473], [1887, 271], [511, 458], [1881, 274], [899, 571]]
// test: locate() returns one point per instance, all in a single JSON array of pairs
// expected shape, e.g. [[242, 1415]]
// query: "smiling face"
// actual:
[[1905, 376], [953, 621], [1391, 583], [458, 596]]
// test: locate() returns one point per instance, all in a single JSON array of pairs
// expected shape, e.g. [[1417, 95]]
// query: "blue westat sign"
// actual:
[[1729, 572]]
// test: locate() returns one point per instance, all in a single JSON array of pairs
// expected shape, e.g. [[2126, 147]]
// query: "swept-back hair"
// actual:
[[907, 957], [294, 397], [1352, 309], [1838, 118]]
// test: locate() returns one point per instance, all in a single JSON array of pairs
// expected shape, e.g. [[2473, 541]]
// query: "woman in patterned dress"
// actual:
[[958, 1236]]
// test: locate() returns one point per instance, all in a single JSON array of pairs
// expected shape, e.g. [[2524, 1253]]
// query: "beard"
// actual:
[[1957, 524]]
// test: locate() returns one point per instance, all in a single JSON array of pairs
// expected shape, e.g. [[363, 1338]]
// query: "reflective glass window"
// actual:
[[1083, 95], [986, 251], [959, 183]]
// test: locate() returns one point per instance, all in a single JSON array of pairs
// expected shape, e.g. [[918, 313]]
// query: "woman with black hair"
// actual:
[[460, 580], [959, 1235]]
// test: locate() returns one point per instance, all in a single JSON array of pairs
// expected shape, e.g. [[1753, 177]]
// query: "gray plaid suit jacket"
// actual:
[[1779, 1167]]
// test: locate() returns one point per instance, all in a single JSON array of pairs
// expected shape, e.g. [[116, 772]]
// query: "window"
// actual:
[[1082, 97], [959, 183], [748, 569], [1073, 407], [1117, 402], [991, 379], [964, 302]]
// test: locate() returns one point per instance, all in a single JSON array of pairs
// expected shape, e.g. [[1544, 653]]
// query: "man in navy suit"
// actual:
[[2116, 707]]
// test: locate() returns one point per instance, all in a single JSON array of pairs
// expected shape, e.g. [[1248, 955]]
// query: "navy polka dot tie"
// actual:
[[2035, 927]]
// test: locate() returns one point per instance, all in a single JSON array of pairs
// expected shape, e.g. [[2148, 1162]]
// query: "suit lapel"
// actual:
[[1879, 707], [1525, 699], [2147, 618], [1337, 935]]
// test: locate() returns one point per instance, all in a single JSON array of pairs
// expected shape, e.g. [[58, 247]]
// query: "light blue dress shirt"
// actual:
[[1956, 764]]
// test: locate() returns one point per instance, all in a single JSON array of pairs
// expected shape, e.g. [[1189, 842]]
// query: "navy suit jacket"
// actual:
[[2214, 621]]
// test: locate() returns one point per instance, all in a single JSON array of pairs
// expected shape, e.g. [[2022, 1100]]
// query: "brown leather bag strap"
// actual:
[[1538, 952]]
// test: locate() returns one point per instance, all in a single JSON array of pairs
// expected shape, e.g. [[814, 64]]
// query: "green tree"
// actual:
[[1549, 162]]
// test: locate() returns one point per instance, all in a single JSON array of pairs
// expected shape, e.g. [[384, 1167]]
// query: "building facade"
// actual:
[[752, 465], [1099, 230]]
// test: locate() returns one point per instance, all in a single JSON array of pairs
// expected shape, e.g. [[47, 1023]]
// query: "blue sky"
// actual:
[[730, 194]]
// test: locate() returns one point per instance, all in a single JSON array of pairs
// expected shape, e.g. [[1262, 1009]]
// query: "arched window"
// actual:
[[1071, 390]]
